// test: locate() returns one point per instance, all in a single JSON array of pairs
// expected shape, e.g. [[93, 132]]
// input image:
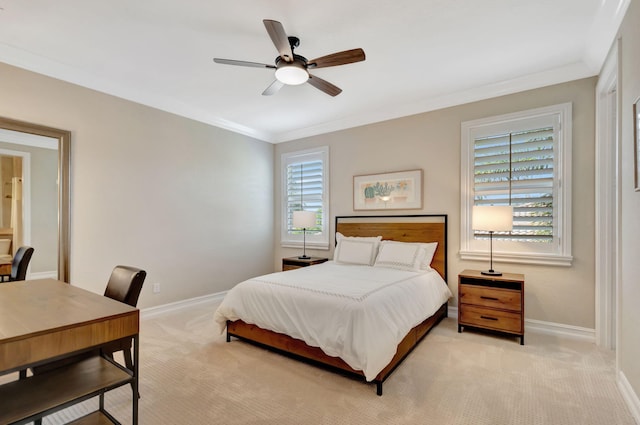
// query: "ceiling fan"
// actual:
[[293, 69]]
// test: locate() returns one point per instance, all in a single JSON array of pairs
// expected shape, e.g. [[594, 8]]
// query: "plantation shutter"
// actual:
[[305, 191], [518, 169]]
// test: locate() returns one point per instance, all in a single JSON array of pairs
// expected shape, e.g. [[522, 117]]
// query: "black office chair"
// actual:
[[20, 263], [124, 285]]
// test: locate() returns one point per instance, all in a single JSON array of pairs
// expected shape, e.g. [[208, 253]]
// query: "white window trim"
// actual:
[[312, 241], [508, 251]]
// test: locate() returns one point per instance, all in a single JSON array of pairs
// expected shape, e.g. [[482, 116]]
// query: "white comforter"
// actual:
[[357, 313]]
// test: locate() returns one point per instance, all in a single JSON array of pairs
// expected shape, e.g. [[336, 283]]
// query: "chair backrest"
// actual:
[[125, 284], [21, 263]]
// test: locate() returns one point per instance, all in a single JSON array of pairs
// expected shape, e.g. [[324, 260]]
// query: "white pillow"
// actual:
[[429, 251], [400, 255], [410, 256], [356, 250]]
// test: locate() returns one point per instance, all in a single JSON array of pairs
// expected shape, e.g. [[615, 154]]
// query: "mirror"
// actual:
[[63, 175]]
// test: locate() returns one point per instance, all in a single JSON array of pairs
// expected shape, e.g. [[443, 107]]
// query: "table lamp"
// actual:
[[492, 218], [304, 220]]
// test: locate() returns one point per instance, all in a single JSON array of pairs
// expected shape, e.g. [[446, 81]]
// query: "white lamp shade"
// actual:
[[493, 218], [304, 219]]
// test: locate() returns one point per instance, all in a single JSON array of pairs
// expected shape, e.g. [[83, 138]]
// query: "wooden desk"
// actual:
[[42, 320]]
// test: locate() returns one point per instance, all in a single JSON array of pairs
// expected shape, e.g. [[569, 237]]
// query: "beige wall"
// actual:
[[151, 189], [629, 295], [431, 142]]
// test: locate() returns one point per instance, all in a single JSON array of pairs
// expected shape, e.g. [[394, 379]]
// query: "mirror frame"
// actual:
[[64, 177]]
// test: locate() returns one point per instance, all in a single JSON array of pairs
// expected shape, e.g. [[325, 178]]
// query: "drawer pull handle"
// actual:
[[489, 298], [488, 318]]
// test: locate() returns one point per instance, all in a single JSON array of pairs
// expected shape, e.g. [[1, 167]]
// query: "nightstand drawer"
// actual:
[[491, 297], [491, 319]]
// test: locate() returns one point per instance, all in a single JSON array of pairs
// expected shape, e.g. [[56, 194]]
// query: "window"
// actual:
[[305, 186], [523, 160]]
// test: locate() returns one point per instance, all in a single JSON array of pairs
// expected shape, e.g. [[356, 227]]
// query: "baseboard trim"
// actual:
[[44, 275], [551, 328], [560, 329], [147, 313], [629, 396]]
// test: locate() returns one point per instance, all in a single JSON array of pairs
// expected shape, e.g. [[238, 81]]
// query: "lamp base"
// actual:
[[304, 257], [491, 273]]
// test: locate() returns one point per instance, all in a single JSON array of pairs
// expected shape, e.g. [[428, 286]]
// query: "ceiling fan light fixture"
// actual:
[[292, 74]]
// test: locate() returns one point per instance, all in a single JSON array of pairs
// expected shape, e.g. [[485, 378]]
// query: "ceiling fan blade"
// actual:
[[340, 58], [324, 86], [279, 37], [273, 88], [243, 63]]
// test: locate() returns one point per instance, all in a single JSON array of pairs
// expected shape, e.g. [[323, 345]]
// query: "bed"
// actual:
[[361, 313]]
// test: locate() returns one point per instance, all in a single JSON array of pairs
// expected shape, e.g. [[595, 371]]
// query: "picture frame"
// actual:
[[636, 144], [400, 190]]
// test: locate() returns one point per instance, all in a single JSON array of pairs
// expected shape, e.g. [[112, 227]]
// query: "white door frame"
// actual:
[[607, 206]]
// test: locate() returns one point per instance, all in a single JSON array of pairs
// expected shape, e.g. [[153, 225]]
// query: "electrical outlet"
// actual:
[[156, 288]]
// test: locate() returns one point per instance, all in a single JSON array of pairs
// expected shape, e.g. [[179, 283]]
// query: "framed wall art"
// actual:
[[401, 190], [636, 143]]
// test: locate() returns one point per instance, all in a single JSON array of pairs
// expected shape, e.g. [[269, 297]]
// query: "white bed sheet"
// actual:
[[357, 313]]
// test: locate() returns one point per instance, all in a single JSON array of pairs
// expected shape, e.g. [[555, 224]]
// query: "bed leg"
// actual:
[[379, 388], [228, 336]]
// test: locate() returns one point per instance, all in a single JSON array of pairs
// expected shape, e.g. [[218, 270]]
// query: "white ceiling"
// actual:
[[421, 54]]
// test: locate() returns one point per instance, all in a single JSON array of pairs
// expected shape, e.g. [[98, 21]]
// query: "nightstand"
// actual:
[[491, 302], [295, 262]]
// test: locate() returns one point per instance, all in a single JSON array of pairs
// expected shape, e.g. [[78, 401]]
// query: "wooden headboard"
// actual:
[[402, 228]]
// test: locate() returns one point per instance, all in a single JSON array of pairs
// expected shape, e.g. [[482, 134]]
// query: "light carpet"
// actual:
[[190, 375]]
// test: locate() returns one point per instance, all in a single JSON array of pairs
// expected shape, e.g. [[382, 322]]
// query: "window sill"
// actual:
[[310, 245], [522, 258]]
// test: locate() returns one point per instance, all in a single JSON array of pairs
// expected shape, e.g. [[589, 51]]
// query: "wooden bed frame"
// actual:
[[406, 228]]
